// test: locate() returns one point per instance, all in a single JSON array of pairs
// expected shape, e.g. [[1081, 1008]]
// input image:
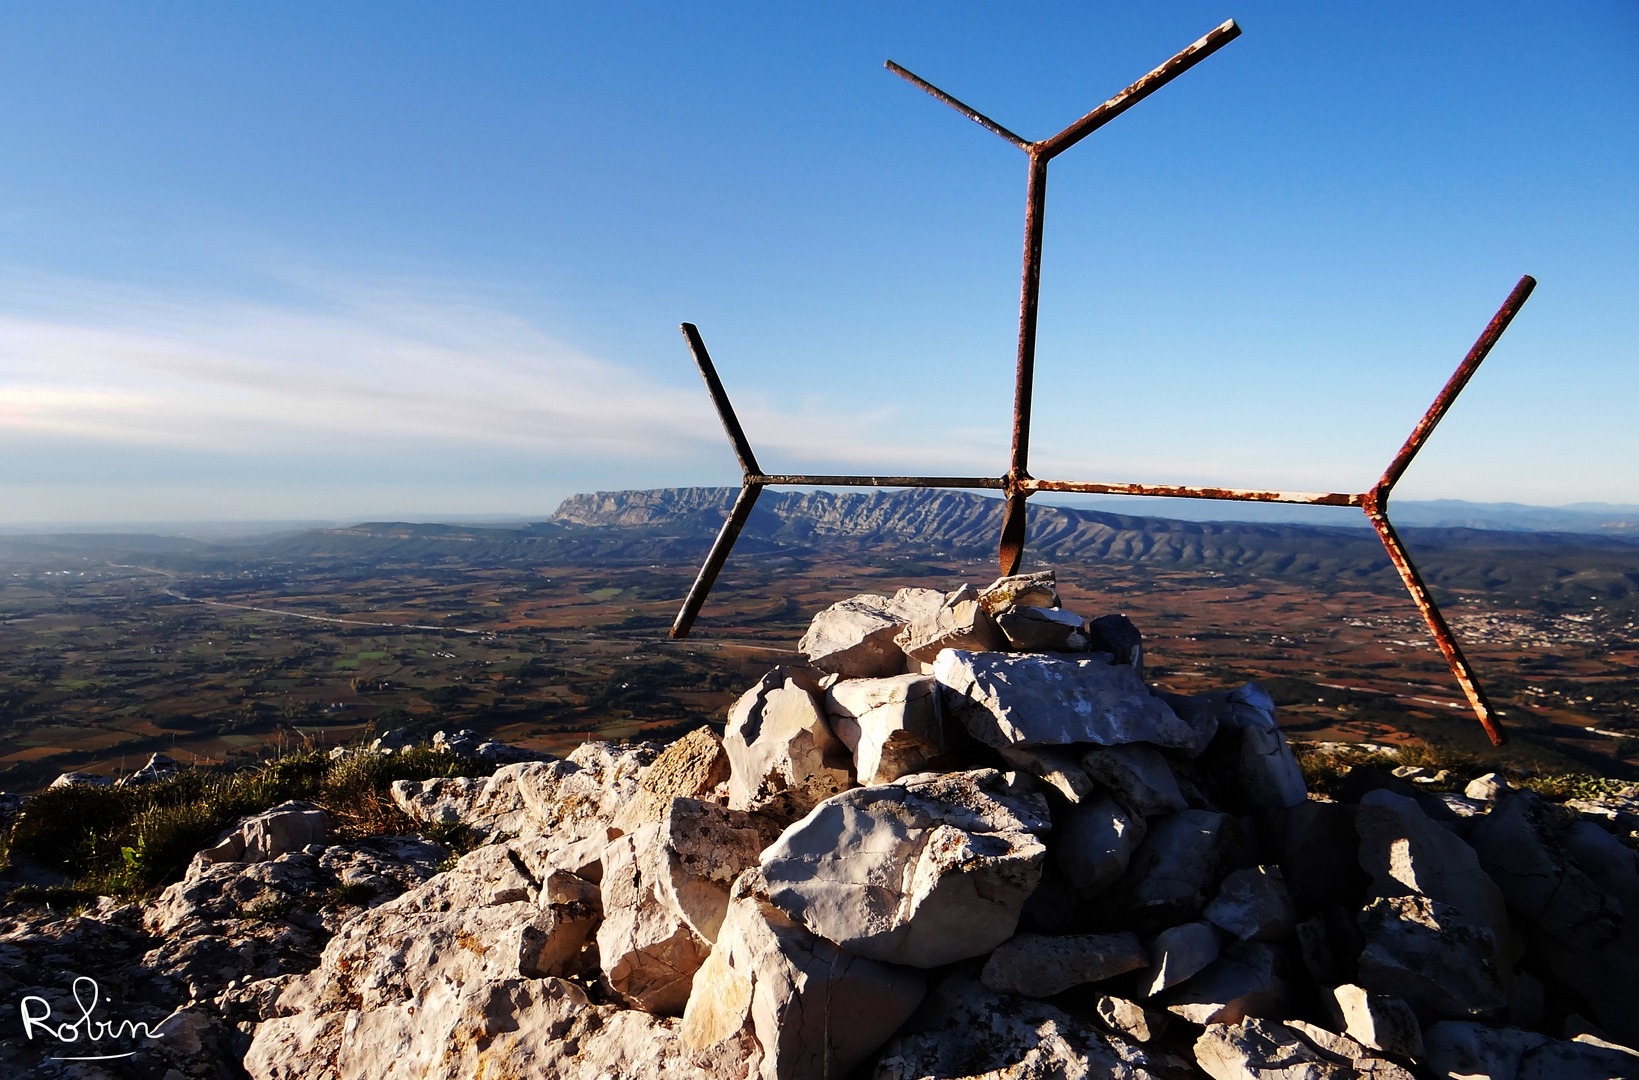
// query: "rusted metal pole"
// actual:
[[719, 398], [966, 110], [1454, 385], [1310, 498], [1443, 637], [718, 555]]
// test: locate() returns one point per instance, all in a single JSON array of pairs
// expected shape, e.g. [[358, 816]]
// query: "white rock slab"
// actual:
[[784, 758], [1034, 700], [891, 726], [925, 871]]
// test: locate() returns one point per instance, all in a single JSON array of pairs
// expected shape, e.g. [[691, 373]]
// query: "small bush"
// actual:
[[268, 910], [354, 894]]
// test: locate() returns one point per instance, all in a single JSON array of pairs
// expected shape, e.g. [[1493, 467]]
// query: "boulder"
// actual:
[[1038, 965], [665, 892], [159, 767], [924, 871], [1034, 700], [578, 797], [891, 726], [815, 1010], [1341, 1048], [1250, 755], [1059, 767], [484, 804], [1517, 844], [1138, 775], [1252, 904], [690, 768], [958, 624], [784, 757], [79, 779], [1032, 590], [290, 826], [1043, 629], [1579, 1059], [1177, 953], [1380, 1021], [964, 1031], [1178, 867], [1116, 635], [1095, 842], [1405, 853], [1462, 1049], [854, 638], [1249, 978], [552, 943], [1425, 952], [1129, 1018]]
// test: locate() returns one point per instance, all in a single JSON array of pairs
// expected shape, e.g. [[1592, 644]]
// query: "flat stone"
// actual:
[[1251, 755], [1138, 775], [1343, 1049], [962, 624], [1096, 841], [965, 1031], [784, 758], [1426, 953], [1043, 629], [1488, 788], [1034, 700], [290, 826], [924, 871], [1059, 767], [1178, 866], [1260, 1049], [1039, 965], [1249, 978], [1380, 1021], [1460, 1049], [1034, 590], [690, 768], [1253, 904], [1129, 1018], [854, 638], [891, 726], [816, 1010], [1179, 952]]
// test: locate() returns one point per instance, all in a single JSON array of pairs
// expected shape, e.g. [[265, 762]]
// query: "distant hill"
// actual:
[[676, 525]]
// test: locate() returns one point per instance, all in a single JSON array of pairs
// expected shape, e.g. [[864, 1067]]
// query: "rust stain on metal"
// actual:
[[1017, 485]]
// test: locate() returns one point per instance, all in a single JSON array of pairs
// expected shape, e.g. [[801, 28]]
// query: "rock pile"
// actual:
[[964, 840]]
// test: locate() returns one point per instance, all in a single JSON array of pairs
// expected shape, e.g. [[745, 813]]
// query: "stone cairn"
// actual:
[[966, 839]]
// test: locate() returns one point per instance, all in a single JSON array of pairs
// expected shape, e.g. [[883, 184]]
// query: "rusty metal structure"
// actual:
[[1018, 485]]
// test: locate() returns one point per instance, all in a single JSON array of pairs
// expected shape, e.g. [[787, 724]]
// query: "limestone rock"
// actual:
[[1179, 952], [1178, 866], [290, 826], [1138, 775], [1096, 841], [1459, 1049], [1251, 754], [784, 757], [1426, 953], [958, 624], [485, 804], [1404, 853], [1116, 635], [1129, 1018], [1032, 700], [80, 779], [1488, 788], [1057, 766], [1043, 629], [1518, 847], [1379, 1021], [578, 797], [1260, 1049], [690, 768], [552, 943], [1249, 978], [1583, 1058], [854, 638], [1038, 965], [665, 893], [159, 767], [815, 1010], [964, 1031], [1033, 590], [924, 871], [891, 726], [1252, 904]]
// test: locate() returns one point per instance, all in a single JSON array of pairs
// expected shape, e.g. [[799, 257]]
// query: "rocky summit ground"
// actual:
[[961, 838]]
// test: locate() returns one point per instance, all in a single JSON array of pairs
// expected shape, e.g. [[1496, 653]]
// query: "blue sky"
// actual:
[[317, 260]]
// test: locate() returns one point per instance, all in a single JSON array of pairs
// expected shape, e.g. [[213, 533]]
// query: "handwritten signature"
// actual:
[[92, 1031]]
